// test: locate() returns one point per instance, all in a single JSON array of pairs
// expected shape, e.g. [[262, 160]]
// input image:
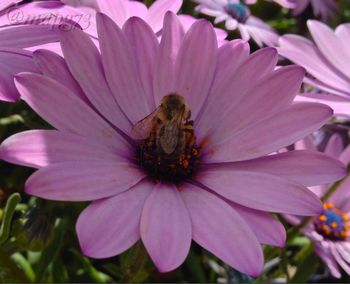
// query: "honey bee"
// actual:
[[168, 126]]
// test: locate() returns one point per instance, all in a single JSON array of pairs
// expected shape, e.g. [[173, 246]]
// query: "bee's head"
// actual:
[[174, 104]]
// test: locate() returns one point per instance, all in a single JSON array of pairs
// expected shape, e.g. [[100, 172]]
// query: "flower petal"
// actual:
[[145, 46], [261, 191], [64, 110], [329, 260], [101, 234], [84, 61], [305, 167], [54, 66], [158, 10], [334, 146], [41, 148], [166, 227], [218, 228], [121, 72], [118, 10], [195, 65], [271, 134], [172, 36], [266, 228], [83, 181]]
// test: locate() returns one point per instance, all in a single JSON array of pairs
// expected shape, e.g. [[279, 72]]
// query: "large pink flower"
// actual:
[[214, 187], [327, 61], [236, 15], [325, 9], [330, 231]]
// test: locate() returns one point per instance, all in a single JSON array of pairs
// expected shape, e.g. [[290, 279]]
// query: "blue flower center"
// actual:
[[332, 224], [238, 11]]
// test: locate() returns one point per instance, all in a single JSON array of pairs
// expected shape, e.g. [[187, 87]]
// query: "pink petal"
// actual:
[[295, 47], [305, 167], [238, 78], [17, 36], [339, 259], [54, 66], [101, 234], [334, 146], [118, 10], [41, 148], [329, 260], [158, 10], [330, 45], [84, 61], [271, 134], [218, 228], [172, 36], [61, 108], [261, 191], [341, 197], [345, 156], [13, 61], [166, 227], [121, 70], [83, 181], [195, 65], [266, 228], [145, 46], [273, 93]]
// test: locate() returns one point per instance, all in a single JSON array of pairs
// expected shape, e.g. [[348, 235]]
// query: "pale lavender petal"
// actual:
[[64, 110], [341, 196], [271, 134], [110, 226], [55, 67], [83, 181], [166, 227], [28, 36], [158, 10], [7, 3], [339, 259], [345, 156], [218, 228], [13, 61], [329, 260], [237, 78], [195, 65], [305, 167], [118, 10], [261, 191], [330, 45], [295, 47], [274, 92], [137, 9], [121, 70], [84, 61], [334, 146], [172, 36], [145, 47], [41, 148], [266, 228]]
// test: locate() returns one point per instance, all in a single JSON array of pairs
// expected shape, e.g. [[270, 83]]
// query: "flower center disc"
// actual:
[[238, 11], [170, 152], [332, 224]]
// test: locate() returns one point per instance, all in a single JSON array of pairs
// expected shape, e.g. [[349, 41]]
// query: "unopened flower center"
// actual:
[[332, 224], [169, 151], [238, 11]]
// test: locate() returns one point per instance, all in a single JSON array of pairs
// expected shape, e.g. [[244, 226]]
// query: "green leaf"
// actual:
[[11, 204], [305, 269]]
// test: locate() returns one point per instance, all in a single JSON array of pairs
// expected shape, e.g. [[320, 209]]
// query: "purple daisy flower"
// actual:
[[206, 178], [330, 231], [237, 15], [324, 9], [326, 61]]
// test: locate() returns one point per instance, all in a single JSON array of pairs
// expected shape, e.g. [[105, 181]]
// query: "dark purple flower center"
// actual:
[[238, 11], [170, 153], [332, 224]]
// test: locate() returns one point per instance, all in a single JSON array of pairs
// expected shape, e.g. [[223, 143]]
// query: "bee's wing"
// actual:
[[143, 128], [170, 136]]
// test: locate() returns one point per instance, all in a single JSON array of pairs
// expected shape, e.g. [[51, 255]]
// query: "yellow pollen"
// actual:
[[334, 225], [345, 216], [326, 228], [323, 218]]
